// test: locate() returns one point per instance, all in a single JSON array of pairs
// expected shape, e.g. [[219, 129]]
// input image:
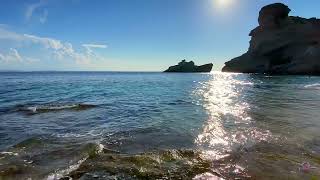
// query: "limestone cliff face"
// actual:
[[281, 44]]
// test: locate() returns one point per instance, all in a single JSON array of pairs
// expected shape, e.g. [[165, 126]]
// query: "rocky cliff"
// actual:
[[186, 67], [281, 44]]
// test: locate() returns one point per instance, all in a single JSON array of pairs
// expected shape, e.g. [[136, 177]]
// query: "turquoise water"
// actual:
[[91, 125]]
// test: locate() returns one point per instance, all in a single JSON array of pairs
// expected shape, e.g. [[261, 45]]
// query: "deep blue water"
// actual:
[[126, 125]]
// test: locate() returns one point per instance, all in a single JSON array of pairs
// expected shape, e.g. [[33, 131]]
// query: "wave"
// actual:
[[92, 150], [55, 107], [62, 173], [313, 86], [46, 158]]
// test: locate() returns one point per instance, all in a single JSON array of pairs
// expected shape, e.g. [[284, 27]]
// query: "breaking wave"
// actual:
[[313, 86]]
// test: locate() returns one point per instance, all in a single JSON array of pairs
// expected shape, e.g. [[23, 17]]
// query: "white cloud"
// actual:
[[13, 56], [58, 49], [89, 49], [4, 25], [95, 46], [35, 7], [8, 35], [43, 18], [46, 42]]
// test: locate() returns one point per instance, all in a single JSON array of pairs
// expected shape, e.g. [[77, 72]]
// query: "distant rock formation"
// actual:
[[281, 44], [186, 67]]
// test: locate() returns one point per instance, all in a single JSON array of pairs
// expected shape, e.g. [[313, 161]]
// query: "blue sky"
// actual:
[[128, 35]]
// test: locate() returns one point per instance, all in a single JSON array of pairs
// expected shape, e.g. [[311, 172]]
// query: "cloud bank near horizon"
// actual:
[[57, 49]]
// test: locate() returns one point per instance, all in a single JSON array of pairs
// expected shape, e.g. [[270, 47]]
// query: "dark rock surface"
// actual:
[[281, 44], [186, 67]]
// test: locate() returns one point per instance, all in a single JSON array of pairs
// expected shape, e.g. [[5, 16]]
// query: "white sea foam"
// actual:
[[206, 176], [63, 172], [52, 107], [55, 107], [70, 135], [32, 109], [60, 173], [100, 148], [9, 153], [91, 133], [313, 86]]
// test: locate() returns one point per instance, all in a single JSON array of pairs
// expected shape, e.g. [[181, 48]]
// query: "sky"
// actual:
[[128, 35]]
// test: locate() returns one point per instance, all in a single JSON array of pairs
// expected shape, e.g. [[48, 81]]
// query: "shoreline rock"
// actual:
[[189, 67], [281, 44]]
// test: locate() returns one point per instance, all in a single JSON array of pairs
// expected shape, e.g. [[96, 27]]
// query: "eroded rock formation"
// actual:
[[281, 44]]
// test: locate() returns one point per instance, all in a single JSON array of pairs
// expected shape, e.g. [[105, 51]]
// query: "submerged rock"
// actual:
[[54, 107], [281, 44], [186, 67]]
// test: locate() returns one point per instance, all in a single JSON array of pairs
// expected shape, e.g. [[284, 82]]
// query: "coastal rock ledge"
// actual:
[[281, 44], [189, 67]]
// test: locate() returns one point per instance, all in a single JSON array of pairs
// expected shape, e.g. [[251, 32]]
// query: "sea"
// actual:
[[151, 125]]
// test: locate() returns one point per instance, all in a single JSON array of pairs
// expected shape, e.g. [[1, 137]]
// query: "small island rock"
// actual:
[[189, 67]]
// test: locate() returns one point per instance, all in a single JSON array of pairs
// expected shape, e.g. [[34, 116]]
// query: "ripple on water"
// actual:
[[163, 126]]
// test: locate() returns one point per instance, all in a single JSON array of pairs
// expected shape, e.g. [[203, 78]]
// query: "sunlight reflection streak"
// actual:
[[229, 123]]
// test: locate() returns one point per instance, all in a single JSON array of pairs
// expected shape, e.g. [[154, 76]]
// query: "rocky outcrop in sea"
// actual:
[[189, 67], [281, 44]]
